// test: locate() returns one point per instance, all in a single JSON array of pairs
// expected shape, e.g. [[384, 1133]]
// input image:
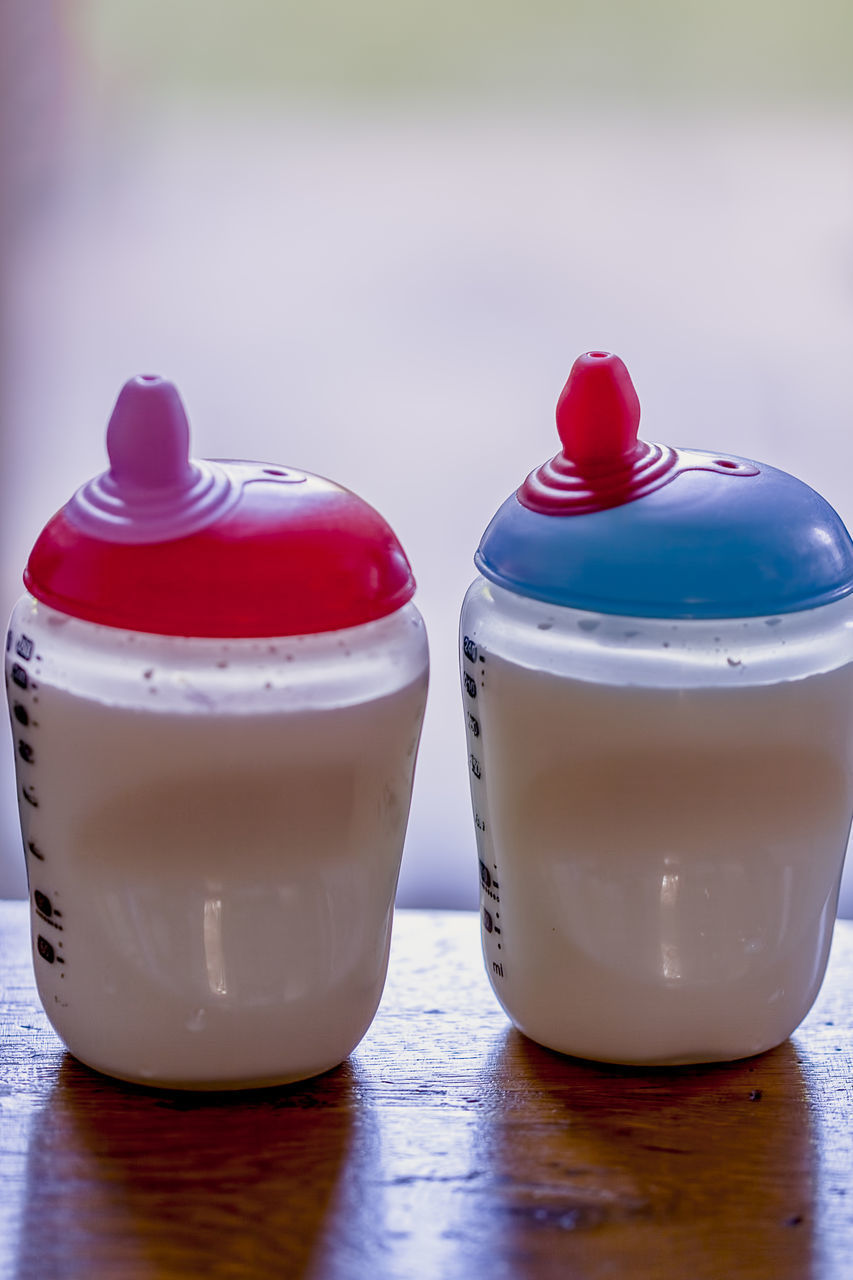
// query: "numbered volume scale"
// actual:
[[473, 684]]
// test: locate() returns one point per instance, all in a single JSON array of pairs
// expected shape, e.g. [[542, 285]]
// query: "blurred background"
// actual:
[[369, 240]]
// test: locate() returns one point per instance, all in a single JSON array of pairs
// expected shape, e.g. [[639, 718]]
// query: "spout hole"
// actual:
[[273, 471], [599, 355], [727, 463], [149, 377]]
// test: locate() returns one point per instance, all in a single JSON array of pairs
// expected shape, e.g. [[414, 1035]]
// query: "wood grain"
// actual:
[[447, 1146]]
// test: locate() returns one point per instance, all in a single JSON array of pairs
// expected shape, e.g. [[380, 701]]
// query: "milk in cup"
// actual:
[[657, 675], [216, 681]]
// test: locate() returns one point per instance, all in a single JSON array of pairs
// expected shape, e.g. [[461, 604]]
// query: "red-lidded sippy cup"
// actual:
[[217, 681]]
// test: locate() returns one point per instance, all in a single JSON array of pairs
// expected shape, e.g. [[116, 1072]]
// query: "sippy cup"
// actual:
[[657, 675], [216, 681]]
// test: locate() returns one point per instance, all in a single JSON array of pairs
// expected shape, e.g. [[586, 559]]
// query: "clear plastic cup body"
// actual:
[[662, 811], [213, 832]]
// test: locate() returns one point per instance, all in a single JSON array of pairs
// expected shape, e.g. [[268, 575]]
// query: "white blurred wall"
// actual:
[[390, 288]]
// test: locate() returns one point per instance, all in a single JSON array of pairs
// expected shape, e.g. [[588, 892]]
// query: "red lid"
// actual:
[[165, 544]]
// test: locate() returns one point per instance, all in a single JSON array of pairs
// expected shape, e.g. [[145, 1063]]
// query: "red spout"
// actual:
[[598, 413]]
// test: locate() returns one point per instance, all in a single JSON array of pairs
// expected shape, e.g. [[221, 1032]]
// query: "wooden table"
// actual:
[[447, 1146]]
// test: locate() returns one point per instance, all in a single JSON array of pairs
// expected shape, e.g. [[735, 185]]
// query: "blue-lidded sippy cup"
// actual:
[[657, 677]]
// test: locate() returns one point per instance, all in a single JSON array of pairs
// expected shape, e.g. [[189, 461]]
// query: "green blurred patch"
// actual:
[[771, 50]]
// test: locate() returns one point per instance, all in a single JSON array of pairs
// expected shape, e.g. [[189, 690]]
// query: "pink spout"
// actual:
[[153, 491], [148, 437]]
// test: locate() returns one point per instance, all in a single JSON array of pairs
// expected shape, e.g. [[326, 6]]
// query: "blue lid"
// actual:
[[615, 525]]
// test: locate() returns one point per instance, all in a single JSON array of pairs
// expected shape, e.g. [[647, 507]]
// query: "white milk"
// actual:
[[660, 859], [214, 849]]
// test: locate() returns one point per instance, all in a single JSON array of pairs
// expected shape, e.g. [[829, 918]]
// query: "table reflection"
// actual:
[[180, 1176], [719, 1155]]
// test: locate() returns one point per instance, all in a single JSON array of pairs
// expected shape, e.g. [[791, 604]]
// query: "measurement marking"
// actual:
[[26, 752], [19, 675], [47, 920], [29, 796], [45, 949], [24, 648], [8, 641], [488, 884], [35, 851], [20, 713]]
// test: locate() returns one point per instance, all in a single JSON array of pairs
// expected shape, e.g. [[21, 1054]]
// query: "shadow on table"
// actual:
[[596, 1170], [148, 1183]]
